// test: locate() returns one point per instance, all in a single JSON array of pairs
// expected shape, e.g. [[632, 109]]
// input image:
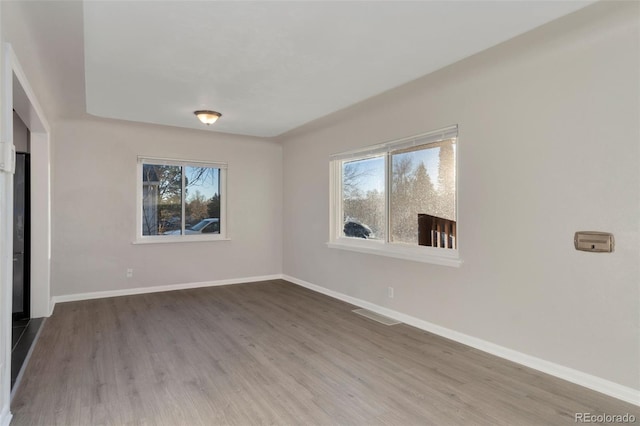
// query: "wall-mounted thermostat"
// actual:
[[600, 242]]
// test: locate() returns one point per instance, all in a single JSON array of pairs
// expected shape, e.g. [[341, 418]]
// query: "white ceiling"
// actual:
[[269, 67]]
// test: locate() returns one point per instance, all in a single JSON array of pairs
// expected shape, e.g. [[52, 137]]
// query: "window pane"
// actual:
[[202, 209], [363, 198], [161, 200], [423, 195]]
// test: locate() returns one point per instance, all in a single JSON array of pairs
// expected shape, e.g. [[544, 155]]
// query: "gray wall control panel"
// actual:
[[600, 242]]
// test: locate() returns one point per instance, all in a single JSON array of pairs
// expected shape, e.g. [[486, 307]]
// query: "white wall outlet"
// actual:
[[390, 292], [129, 272]]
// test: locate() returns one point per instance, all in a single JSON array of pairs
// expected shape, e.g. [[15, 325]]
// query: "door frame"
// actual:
[[16, 94]]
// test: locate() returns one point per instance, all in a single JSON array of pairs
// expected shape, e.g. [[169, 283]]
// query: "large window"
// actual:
[[180, 200], [398, 198]]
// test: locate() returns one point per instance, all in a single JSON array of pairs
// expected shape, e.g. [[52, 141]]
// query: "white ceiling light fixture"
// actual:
[[207, 117]]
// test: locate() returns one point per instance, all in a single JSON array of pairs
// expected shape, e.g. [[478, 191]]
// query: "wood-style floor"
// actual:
[[273, 353]]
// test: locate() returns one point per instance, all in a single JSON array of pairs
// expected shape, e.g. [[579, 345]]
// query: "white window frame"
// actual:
[[159, 239], [434, 255]]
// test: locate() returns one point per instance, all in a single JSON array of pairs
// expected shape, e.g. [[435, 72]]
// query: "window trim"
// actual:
[[163, 239], [433, 255]]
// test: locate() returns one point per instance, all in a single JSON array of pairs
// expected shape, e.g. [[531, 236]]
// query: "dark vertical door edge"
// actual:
[[23, 253]]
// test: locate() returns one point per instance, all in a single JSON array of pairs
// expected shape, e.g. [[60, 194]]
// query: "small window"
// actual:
[[180, 200], [398, 198]]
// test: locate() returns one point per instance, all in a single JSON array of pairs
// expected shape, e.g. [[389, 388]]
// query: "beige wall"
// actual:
[[20, 134], [94, 208], [548, 144]]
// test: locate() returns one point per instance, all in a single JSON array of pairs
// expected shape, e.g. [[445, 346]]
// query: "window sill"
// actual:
[[173, 240], [416, 254]]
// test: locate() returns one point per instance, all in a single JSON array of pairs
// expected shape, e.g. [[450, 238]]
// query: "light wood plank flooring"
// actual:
[[273, 353]]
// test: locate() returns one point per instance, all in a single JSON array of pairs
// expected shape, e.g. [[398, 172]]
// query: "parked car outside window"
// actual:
[[357, 230], [205, 226]]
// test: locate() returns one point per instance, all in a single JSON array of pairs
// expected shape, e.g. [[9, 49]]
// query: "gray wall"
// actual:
[[548, 145], [20, 134], [94, 208]]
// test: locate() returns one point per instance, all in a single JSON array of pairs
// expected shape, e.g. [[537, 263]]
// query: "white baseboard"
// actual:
[[595, 383], [5, 416], [18, 381], [156, 289]]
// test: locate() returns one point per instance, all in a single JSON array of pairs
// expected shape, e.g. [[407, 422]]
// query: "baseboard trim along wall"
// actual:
[[595, 383], [156, 289], [5, 416], [16, 385]]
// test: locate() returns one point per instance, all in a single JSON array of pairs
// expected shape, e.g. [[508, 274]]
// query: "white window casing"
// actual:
[[141, 190], [385, 247]]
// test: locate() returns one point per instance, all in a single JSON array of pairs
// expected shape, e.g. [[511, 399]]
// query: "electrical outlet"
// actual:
[[129, 272], [390, 292]]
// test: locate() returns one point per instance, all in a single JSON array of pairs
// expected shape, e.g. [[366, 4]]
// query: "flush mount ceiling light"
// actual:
[[207, 117]]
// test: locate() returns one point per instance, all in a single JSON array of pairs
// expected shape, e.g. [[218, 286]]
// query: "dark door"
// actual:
[[21, 238]]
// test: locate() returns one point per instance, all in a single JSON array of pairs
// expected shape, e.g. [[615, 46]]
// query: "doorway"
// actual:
[[21, 306], [17, 96], [23, 326]]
